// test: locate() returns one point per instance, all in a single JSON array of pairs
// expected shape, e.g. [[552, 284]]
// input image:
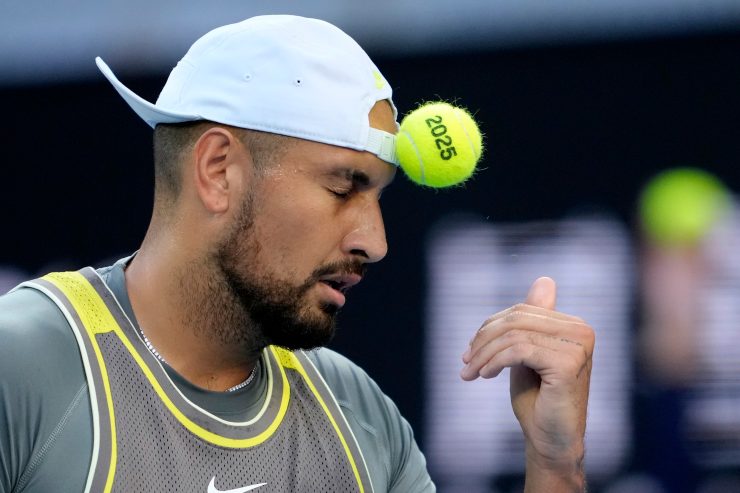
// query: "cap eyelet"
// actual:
[[298, 82], [247, 77]]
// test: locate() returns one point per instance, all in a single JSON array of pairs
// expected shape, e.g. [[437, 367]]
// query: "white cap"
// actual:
[[282, 74]]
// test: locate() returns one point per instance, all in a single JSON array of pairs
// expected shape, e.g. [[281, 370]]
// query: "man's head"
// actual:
[[276, 169], [284, 226]]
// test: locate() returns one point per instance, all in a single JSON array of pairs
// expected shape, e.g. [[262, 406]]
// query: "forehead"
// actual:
[[324, 160], [360, 167], [331, 165]]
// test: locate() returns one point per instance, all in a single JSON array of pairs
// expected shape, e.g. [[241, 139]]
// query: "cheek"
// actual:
[[298, 237]]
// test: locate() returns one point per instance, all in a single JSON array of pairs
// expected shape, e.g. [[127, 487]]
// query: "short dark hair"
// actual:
[[173, 141]]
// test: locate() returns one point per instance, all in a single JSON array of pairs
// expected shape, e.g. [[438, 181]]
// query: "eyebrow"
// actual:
[[356, 177]]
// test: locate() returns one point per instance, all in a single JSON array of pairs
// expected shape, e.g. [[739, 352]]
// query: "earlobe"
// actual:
[[217, 172]]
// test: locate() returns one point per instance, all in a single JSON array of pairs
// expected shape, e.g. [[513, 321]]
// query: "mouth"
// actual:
[[341, 282]]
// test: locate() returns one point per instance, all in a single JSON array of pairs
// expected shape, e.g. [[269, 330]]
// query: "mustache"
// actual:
[[341, 267]]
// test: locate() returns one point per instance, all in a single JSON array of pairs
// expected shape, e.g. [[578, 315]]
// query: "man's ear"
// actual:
[[219, 168]]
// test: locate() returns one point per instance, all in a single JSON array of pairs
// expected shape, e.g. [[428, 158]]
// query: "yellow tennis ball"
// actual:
[[679, 206], [438, 145]]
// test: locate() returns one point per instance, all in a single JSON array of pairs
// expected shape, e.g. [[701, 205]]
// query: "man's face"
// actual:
[[304, 235]]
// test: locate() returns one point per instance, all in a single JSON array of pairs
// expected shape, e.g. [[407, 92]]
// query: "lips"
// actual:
[[341, 282]]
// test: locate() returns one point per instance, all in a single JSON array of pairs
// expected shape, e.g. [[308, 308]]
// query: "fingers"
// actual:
[[527, 308], [533, 349], [537, 358], [523, 317], [531, 336]]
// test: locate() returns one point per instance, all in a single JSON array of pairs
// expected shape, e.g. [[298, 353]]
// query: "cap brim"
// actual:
[[146, 110]]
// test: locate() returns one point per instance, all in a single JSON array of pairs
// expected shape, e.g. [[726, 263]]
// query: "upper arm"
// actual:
[[42, 386]]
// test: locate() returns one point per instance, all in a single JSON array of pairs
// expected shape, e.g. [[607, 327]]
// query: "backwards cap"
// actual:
[[282, 74]]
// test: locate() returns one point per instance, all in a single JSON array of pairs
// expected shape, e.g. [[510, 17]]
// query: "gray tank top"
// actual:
[[149, 437]]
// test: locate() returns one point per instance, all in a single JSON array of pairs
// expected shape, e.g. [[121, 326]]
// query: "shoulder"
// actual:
[[30, 322], [385, 437], [336, 367], [351, 385], [39, 356], [362, 401]]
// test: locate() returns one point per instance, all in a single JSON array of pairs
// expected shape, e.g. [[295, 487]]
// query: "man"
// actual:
[[181, 367]]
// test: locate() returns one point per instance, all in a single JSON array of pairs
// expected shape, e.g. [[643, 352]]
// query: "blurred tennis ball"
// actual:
[[439, 145], [679, 206]]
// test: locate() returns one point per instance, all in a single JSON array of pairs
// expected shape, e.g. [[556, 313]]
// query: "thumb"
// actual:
[[543, 293]]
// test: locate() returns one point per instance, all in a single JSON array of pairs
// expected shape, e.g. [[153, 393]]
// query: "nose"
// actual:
[[367, 233]]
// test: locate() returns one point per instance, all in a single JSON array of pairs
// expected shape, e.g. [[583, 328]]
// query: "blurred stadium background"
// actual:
[[582, 103]]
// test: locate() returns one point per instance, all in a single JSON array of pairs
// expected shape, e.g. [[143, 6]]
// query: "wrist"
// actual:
[[563, 473]]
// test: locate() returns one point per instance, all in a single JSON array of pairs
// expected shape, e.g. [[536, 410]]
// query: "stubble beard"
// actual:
[[255, 309]]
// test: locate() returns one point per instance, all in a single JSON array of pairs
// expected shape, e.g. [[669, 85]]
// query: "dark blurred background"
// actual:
[[581, 104]]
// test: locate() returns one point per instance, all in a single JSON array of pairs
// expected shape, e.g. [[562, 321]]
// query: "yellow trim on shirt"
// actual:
[[289, 360], [95, 321], [88, 304]]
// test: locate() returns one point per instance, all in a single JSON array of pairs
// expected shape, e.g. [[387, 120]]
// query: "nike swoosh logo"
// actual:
[[379, 81], [212, 487]]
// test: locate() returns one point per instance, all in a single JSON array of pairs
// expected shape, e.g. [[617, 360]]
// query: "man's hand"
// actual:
[[549, 354]]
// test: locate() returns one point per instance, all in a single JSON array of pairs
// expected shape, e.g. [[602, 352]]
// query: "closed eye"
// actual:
[[342, 194]]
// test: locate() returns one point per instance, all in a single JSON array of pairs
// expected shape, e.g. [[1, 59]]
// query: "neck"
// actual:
[[191, 316]]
